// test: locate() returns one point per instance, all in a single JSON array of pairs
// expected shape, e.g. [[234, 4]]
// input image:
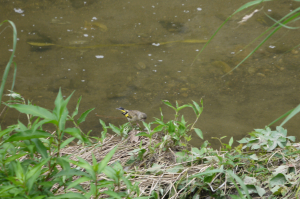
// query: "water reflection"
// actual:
[[91, 54]]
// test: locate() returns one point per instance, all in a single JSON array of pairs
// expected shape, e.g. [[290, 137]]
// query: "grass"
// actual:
[[10, 62]]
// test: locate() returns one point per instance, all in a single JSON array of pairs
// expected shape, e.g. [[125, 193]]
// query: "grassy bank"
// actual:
[[151, 161], [128, 162]]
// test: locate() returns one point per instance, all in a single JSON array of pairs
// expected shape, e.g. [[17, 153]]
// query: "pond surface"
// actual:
[[122, 53]]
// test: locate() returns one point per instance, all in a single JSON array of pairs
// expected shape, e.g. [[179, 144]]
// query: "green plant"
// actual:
[[267, 139], [6, 71], [122, 131], [288, 18], [29, 156]]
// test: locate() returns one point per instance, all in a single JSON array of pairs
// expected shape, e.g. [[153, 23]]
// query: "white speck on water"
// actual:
[[19, 10]]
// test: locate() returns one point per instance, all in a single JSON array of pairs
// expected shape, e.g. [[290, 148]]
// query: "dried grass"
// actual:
[[149, 180]]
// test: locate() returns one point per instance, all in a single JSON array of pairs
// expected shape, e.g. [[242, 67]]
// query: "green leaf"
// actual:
[[199, 132], [161, 114], [144, 134], [115, 129], [29, 134], [240, 181], [243, 141], [34, 110], [106, 159], [78, 181], [175, 169], [14, 157], [77, 107], [253, 157], [158, 128], [66, 142], [279, 179], [113, 194], [58, 103], [8, 130], [75, 132], [72, 172], [68, 195], [195, 110], [198, 108], [40, 197], [86, 165], [292, 138], [63, 119], [111, 173], [84, 115], [166, 102], [32, 179], [183, 106], [41, 149], [171, 126], [5, 190], [260, 191], [231, 141], [147, 126], [198, 175], [292, 114], [36, 168], [127, 183], [103, 125], [63, 163], [158, 121]]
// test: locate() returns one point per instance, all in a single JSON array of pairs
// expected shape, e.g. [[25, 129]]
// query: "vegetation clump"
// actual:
[[129, 162]]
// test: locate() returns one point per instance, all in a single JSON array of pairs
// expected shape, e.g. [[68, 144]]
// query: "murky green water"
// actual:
[[140, 76]]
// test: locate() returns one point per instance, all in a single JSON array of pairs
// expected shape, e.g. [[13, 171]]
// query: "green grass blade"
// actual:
[[275, 24], [249, 4], [240, 181], [292, 114], [281, 24], [14, 77], [261, 43], [5, 74], [282, 116]]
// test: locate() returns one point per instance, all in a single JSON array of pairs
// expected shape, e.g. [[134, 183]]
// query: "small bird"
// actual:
[[133, 115]]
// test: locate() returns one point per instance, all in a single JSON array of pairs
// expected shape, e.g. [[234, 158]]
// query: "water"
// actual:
[[140, 76]]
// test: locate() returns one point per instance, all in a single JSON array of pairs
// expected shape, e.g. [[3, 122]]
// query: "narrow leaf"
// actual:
[[106, 159], [84, 115], [75, 132], [29, 134], [33, 110], [77, 107], [199, 132]]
